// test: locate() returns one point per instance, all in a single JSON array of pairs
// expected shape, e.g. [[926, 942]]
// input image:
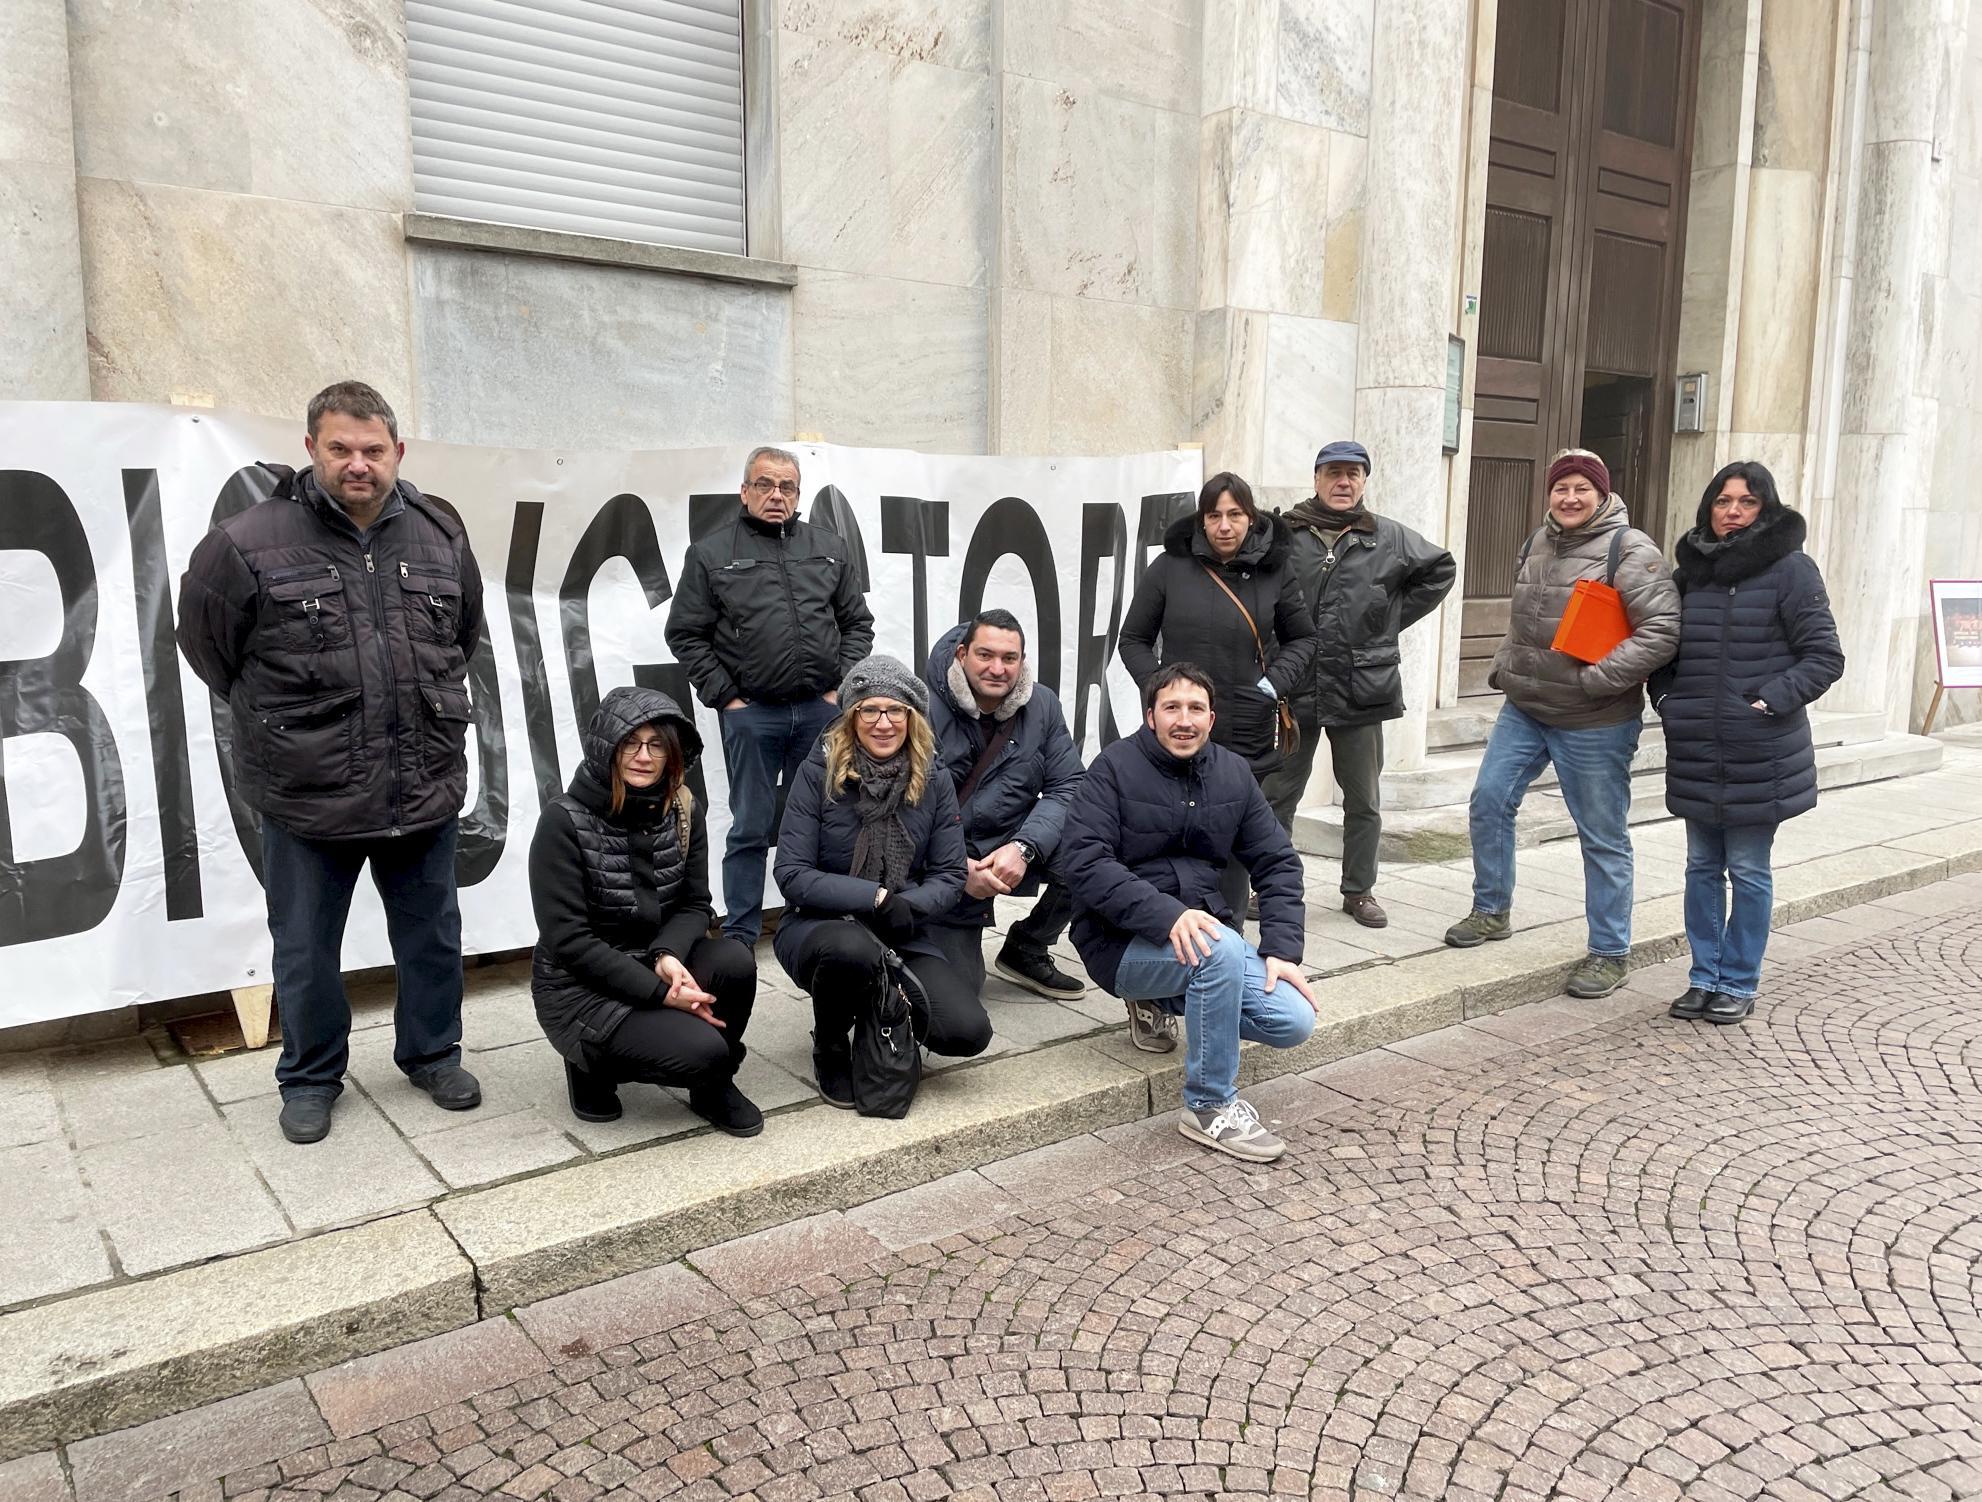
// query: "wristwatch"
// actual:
[[1028, 850]]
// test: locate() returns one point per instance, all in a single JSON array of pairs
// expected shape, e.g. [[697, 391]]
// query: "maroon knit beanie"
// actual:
[[1579, 462]]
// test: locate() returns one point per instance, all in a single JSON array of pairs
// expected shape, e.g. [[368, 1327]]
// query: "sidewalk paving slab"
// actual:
[[781, 1255], [620, 1310], [371, 1391], [35, 1478], [130, 1353], [186, 1449]]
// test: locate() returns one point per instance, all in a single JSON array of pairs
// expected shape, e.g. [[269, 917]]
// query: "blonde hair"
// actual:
[[839, 740]]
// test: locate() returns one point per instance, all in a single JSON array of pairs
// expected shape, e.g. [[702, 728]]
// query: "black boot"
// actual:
[[832, 1067], [1723, 1009], [1690, 1006], [727, 1109], [593, 1097]]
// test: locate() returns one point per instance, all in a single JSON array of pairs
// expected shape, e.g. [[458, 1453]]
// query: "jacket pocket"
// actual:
[[306, 608], [444, 733], [1375, 676], [433, 603], [311, 746]]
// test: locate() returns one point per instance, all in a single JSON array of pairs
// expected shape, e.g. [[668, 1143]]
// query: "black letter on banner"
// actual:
[[520, 585], [1012, 526], [171, 767], [833, 511], [67, 894], [1158, 511], [246, 487], [1104, 532], [920, 529], [485, 827], [622, 529], [710, 513]]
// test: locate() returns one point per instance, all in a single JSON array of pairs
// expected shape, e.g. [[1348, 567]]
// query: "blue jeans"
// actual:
[[764, 745], [1728, 945], [309, 885], [1222, 999], [1594, 769]]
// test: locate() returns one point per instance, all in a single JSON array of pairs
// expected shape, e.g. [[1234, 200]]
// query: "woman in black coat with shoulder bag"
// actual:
[[870, 851], [1223, 594], [628, 982], [1757, 646]]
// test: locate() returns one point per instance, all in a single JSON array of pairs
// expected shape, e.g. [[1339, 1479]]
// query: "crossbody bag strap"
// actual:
[[993, 744], [1259, 648]]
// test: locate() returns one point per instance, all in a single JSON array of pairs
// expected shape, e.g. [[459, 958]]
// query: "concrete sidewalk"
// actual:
[[160, 1245]]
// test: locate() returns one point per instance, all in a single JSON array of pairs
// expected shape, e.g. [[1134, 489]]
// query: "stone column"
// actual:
[[43, 343], [1875, 536], [1409, 263]]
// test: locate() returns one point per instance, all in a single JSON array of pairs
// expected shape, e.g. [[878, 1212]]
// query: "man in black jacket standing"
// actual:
[[1150, 833], [769, 618], [337, 619], [1367, 578]]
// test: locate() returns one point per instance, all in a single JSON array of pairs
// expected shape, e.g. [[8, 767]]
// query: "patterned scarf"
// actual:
[[882, 852]]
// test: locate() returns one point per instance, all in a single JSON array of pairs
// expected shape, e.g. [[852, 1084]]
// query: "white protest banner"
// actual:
[[128, 873]]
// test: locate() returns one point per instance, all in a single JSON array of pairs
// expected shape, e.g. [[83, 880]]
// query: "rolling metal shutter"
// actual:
[[600, 117]]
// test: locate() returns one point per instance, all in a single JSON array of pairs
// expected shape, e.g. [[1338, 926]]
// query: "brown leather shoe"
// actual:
[[1365, 909]]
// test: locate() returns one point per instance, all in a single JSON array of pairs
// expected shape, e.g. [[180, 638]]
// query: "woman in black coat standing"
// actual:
[[1757, 646], [870, 850], [1223, 594], [628, 983]]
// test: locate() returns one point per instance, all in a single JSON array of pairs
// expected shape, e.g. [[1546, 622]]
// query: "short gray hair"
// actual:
[[351, 399], [782, 456]]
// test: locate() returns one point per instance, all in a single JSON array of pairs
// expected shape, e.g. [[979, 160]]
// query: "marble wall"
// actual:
[[42, 336]]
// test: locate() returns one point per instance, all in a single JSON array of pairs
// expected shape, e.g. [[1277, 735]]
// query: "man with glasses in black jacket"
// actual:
[[768, 619]]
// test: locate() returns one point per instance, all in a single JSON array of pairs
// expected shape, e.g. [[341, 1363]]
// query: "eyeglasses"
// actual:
[[653, 748], [873, 714], [786, 488]]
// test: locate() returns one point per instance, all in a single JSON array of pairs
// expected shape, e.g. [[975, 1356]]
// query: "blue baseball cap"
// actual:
[[1343, 451]]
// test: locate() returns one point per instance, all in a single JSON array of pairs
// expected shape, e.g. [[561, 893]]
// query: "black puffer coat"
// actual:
[[345, 664], [1149, 835], [768, 613], [1385, 578], [1755, 623], [1180, 615], [815, 857], [614, 892]]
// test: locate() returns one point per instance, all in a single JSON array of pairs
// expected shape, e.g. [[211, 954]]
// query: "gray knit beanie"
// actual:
[[882, 677]]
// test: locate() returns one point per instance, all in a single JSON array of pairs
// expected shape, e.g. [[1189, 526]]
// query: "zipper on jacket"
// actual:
[[391, 686], [791, 597]]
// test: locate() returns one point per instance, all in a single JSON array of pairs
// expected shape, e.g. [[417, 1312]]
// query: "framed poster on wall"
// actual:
[[1957, 610]]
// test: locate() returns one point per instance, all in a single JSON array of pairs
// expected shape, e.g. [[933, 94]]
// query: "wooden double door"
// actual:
[[1580, 283]]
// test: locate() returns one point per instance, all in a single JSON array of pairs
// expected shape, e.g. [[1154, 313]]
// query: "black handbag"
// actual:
[[887, 1056]]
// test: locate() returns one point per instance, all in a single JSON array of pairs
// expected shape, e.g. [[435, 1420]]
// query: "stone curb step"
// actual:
[[108, 1359]]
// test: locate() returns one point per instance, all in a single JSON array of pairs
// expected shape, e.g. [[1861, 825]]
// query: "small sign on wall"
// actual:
[[1957, 608], [1455, 380]]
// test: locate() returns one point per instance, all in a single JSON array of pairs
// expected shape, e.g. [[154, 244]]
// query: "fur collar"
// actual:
[[966, 701], [1701, 560], [1265, 543]]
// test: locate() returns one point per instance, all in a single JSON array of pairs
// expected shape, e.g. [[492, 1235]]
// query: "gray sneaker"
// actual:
[[1598, 975], [1477, 928], [1151, 1029], [1234, 1129]]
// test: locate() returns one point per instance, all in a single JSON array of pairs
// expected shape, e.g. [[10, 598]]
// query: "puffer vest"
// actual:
[[633, 873]]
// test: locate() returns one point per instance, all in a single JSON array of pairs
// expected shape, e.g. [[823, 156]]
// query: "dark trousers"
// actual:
[[660, 1045], [764, 745], [309, 885], [1040, 929], [1357, 754], [839, 965]]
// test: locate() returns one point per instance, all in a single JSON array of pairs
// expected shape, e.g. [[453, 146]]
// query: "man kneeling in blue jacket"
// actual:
[[1151, 830]]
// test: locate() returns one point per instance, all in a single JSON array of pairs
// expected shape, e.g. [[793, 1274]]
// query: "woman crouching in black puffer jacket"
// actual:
[[628, 982]]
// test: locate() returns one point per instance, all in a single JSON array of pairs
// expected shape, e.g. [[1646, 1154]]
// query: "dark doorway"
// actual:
[[1580, 280]]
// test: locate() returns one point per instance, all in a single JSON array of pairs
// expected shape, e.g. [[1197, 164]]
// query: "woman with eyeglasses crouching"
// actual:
[[871, 834], [628, 983]]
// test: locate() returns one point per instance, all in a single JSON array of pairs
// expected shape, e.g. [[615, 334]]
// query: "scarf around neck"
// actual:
[[882, 852], [1316, 517]]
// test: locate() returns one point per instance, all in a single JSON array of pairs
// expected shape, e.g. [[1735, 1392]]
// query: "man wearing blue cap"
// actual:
[[1367, 578]]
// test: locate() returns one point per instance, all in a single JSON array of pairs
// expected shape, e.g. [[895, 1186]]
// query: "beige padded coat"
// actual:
[[1554, 687]]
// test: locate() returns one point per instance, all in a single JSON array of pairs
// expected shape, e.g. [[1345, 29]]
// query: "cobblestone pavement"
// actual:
[[1590, 1253]]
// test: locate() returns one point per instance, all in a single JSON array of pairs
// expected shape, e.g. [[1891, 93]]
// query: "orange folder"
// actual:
[[1593, 623]]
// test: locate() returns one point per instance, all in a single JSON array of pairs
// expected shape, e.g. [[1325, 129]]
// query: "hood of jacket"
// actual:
[[1702, 559], [619, 714], [292, 484], [945, 676], [1264, 547]]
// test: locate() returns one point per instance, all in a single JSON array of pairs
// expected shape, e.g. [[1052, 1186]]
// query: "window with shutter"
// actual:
[[600, 117]]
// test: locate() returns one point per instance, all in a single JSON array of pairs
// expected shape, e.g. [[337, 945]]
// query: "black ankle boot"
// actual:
[[593, 1097], [833, 1069], [727, 1109]]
